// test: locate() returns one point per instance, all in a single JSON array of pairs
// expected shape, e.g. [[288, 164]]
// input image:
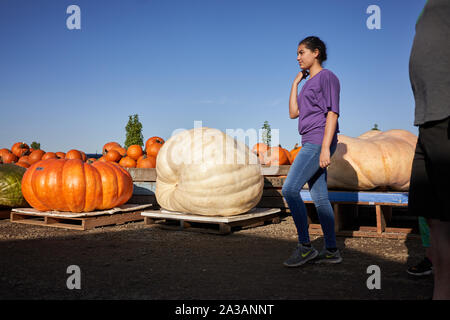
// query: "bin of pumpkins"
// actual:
[[134, 156], [275, 156]]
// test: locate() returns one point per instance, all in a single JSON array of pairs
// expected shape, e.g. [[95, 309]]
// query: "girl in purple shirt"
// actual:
[[317, 110]]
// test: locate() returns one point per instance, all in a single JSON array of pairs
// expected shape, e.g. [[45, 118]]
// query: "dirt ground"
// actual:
[[138, 261]]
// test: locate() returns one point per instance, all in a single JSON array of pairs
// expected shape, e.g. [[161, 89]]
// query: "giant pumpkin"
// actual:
[[374, 160], [207, 172], [76, 186]]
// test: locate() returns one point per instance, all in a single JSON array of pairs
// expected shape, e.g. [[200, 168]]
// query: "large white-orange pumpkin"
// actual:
[[207, 172], [375, 159]]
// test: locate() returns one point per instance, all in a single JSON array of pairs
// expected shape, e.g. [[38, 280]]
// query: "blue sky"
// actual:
[[227, 63]]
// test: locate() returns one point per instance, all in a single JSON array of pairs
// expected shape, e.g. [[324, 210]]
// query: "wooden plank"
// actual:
[[142, 174], [5, 213], [275, 170]]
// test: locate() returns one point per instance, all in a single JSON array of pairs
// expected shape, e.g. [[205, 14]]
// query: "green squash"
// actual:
[[11, 186]]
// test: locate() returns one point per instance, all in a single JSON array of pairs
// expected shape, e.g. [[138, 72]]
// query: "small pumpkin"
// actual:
[[112, 155], [60, 155], [259, 149], [4, 151], [277, 156], [20, 148], [24, 164], [35, 156], [154, 139], [127, 162], [153, 149], [74, 154], [9, 157], [294, 152], [146, 161], [24, 158], [135, 151], [49, 155], [109, 146]]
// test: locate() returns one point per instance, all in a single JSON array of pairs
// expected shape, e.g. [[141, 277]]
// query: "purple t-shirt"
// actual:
[[318, 95]]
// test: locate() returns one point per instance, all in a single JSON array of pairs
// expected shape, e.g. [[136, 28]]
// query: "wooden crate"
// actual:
[[210, 224], [78, 221]]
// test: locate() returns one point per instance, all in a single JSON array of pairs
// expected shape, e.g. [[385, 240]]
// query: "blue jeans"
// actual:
[[306, 168]]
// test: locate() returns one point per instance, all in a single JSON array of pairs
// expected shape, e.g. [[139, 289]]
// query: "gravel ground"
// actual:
[[138, 261]]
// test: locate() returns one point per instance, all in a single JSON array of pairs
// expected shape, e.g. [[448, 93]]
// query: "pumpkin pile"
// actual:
[[22, 155], [134, 156], [275, 156]]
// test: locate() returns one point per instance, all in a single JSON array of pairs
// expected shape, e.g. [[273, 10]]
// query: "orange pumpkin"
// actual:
[[127, 162], [109, 146], [135, 151], [294, 152], [153, 149], [277, 156], [259, 149], [35, 156], [60, 155], [76, 186], [146, 162], [153, 140], [74, 154], [121, 150], [112, 155], [4, 151], [23, 164], [20, 148], [9, 157], [24, 159], [49, 155]]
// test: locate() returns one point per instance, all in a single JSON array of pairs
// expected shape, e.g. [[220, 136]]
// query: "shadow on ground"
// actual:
[[137, 261]]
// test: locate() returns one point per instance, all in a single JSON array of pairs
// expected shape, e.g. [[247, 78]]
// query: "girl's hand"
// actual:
[[300, 76], [324, 158]]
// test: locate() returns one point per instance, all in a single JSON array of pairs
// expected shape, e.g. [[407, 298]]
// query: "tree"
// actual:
[[375, 127], [134, 132], [35, 145], [266, 136]]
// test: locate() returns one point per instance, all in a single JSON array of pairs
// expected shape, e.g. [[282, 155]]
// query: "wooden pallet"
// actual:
[[145, 185], [209, 224], [81, 221]]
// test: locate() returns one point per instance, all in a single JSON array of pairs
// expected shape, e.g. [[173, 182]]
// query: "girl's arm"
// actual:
[[330, 129], [293, 105]]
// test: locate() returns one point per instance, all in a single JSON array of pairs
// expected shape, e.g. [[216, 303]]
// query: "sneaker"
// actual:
[[423, 268], [300, 256], [326, 256]]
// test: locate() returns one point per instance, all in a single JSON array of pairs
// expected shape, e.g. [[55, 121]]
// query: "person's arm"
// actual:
[[330, 129], [293, 105]]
